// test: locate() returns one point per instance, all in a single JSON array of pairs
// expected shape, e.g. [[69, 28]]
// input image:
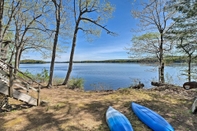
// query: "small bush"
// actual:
[[39, 77], [76, 83], [57, 81], [43, 76], [24, 74]]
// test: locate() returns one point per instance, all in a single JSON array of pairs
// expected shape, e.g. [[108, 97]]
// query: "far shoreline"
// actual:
[[167, 60]]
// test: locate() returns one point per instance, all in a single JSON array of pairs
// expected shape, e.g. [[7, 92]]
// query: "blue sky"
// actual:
[[106, 46]]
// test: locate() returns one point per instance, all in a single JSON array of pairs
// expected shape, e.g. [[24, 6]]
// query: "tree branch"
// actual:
[[94, 22]]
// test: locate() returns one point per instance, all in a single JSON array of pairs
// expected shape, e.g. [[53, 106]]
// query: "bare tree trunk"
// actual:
[[11, 57], [1, 17], [52, 62], [55, 42], [71, 56], [161, 63], [189, 68], [162, 73], [17, 59]]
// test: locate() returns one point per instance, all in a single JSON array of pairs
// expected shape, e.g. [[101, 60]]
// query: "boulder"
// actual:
[[138, 86]]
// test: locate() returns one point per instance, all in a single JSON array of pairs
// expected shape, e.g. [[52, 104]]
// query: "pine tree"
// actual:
[[184, 31]]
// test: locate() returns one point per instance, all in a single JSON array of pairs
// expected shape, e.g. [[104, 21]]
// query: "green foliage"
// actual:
[[25, 74], [146, 36], [145, 45], [76, 83], [28, 61], [43, 76], [184, 31], [58, 81], [39, 77]]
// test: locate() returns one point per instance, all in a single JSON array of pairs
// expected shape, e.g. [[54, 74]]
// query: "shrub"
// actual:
[[39, 77], [57, 80], [24, 74], [76, 83], [43, 76]]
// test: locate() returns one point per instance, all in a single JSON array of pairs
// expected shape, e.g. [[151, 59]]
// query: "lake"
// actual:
[[98, 76]]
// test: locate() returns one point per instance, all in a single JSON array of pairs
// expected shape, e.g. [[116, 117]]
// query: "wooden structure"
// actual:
[[4, 89], [14, 86]]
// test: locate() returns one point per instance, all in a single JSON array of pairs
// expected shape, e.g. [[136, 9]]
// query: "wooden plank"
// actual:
[[33, 88], [4, 80], [18, 95], [18, 83], [24, 97], [3, 88], [4, 73], [19, 86]]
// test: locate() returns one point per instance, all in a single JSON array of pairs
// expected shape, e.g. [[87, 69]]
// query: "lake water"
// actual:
[[98, 76]]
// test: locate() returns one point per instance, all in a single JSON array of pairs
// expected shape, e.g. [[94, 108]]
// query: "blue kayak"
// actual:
[[151, 118], [117, 121]]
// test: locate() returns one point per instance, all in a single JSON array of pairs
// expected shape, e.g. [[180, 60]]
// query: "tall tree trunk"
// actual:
[[189, 68], [11, 57], [1, 17], [1, 21], [54, 43], [52, 61], [58, 20], [161, 63], [17, 59], [71, 55], [53, 55]]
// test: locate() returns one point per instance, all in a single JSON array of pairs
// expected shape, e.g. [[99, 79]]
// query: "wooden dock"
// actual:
[[17, 94]]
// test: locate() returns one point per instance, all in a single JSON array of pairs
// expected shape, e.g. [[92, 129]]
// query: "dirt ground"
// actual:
[[69, 110]]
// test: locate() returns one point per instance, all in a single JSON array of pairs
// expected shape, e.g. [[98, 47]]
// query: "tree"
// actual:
[[190, 50], [1, 17], [147, 45], [58, 6], [4, 27], [184, 29], [10, 12], [23, 20], [7, 9], [154, 18], [83, 9], [30, 32]]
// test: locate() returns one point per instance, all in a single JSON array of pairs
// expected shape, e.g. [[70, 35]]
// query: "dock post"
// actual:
[[38, 101], [10, 81]]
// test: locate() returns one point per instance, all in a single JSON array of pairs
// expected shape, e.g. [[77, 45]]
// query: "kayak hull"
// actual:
[[151, 118], [117, 121]]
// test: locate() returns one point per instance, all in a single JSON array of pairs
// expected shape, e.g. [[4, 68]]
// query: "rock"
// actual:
[[156, 84], [139, 86]]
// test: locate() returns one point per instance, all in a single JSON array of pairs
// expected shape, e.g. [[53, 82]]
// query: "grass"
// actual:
[[70, 110]]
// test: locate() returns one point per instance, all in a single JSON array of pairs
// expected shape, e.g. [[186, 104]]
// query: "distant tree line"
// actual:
[[32, 62], [167, 60]]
